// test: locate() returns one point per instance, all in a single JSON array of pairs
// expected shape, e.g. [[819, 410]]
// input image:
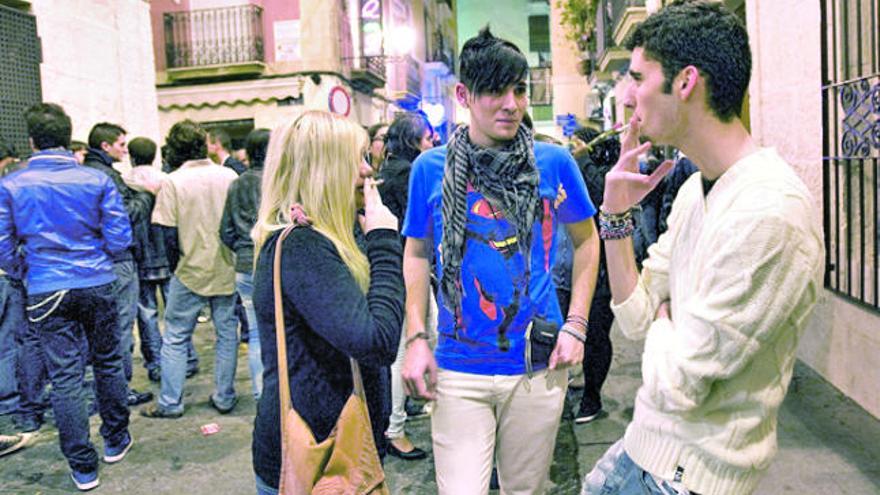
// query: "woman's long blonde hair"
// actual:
[[314, 161]]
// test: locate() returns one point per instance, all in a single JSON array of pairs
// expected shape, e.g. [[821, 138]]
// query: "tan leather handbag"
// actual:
[[347, 461]]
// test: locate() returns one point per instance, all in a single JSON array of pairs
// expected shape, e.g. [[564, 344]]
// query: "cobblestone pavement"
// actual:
[[827, 443]]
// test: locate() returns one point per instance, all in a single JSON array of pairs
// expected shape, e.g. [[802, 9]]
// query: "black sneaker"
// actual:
[[191, 372], [136, 398], [222, 410], [585, 415], [157, 412], [154, 374]]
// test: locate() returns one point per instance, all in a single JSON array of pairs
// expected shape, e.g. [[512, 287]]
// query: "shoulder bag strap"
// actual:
[[280, 342]]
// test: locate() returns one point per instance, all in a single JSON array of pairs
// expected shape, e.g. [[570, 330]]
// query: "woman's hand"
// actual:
[[377, 215]]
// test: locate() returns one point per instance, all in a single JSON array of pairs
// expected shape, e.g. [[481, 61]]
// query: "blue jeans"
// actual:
[[32, 375], [181, 316], [244, 284], [263, 488], [63, 321], [148, 325], [616, 474], [12, 327], [125, 293], [148, 320]]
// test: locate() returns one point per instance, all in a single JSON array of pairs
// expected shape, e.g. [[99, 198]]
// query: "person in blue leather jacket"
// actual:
[[60, 226]]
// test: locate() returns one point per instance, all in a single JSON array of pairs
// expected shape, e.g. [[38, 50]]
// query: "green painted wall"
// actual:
[[508, 19]]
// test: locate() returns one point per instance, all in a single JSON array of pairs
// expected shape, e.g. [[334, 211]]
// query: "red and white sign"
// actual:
[[340, 101]]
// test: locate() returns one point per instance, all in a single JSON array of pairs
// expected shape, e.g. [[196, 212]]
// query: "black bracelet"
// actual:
[[413, 338]]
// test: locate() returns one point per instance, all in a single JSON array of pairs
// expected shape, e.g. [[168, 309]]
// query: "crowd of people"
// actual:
[[365, 267]]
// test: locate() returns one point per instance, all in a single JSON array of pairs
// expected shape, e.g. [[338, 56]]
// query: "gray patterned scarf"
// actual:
[[507, 178]]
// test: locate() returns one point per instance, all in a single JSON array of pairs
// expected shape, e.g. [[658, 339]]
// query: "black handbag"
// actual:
[[541, 338]]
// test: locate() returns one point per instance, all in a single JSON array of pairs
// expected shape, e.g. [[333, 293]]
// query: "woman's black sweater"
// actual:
[[328, 319]]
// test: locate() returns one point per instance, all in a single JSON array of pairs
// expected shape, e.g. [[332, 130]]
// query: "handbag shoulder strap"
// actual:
[[281, 343]]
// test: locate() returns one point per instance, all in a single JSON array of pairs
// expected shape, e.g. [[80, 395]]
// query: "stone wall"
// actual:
[[98, 63], [842, 343]]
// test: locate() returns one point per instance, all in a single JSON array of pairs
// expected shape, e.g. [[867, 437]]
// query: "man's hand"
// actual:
[[569, 351], [420, 371], [625, 185]]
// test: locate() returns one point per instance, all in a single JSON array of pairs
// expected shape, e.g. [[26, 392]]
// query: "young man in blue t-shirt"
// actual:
[[485, 209]]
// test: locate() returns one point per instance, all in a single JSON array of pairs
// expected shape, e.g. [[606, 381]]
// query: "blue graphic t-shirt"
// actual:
[[494, 295]]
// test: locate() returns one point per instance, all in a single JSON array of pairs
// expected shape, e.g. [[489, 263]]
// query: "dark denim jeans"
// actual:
[[148, 320], [62, 320], [125, 293], [32, 376], [148, 325], [597, 353], [12, 328]]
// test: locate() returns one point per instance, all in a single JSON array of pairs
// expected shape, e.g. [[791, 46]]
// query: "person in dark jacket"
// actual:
[[219, 144], [594, 163], [338, 302], [70, 222], [12, 322], [239, 217], [106, 146], [408, 136], [153, 268]]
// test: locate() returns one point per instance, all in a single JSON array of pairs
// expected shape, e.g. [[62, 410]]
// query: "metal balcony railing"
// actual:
[[210, 37]]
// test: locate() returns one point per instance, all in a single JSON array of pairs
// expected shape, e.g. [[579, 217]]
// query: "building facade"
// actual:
[[243, 64], [92, 57]]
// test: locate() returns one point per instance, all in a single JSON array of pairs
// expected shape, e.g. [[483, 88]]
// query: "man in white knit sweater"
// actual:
[[727, 290]]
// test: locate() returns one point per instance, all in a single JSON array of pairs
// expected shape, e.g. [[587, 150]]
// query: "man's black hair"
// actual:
[[104, 132], [48, 126], [222, 137], [185, 141], [78, 146], [405, 134], [707, 36], [256, 144], [142, 151], [490, 64]]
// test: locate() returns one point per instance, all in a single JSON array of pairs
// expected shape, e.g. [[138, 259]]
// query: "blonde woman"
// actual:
[[338, 302]]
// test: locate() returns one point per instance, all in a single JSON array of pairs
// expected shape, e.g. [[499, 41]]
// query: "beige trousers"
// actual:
[[513, 419]]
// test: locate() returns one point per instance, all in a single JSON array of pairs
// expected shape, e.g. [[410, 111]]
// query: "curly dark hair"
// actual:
[[48, 126], [707, 36], [489, 64], [185, 141], [404, 134]]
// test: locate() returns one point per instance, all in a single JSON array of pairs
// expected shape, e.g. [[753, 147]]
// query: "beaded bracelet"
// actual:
[[574, 333], [613, 226], [580, 320]]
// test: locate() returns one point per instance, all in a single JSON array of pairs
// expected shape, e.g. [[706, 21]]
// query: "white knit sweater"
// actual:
[[742, 268]]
